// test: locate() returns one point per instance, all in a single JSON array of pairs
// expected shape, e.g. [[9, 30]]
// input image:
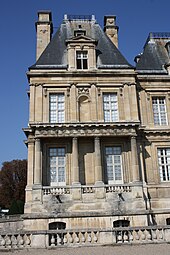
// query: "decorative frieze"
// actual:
[[83, 131]]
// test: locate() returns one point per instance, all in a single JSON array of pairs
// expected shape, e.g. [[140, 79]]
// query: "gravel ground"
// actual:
[[150, 249]]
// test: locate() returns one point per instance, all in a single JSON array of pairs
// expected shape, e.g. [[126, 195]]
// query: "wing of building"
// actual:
[[99, 135]]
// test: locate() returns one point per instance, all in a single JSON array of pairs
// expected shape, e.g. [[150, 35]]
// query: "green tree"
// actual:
[[13, 177]]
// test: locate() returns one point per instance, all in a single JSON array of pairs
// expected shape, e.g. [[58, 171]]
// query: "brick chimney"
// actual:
[[44, 29], [111, 29]]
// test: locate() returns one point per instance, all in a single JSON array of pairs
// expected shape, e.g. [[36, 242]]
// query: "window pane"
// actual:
[[110, 107], [57, 106], [113, 164], [164, 164], [57, 165], [81, 60], [159, 111]]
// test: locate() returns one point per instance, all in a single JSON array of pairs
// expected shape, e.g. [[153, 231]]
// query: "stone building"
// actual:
[[98, 135]]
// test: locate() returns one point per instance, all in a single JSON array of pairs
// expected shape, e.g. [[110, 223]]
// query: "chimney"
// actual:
[[44, 29], [111, 29]]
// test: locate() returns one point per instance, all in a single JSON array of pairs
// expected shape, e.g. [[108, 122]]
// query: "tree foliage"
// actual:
[[13, 176]]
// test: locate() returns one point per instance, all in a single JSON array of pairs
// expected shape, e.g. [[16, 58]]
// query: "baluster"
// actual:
[[14, 241], [27, 240], [76, 239], [137, 237], [142, 235], [159, 234], [131, 236], [70, 238], [89, 239], [119, 236], [2, 241], [148, 235], [154, 236], [65, 240], [95, 239], [20, 241], [59, 239], [52, 241], [125, 236], [8, 241], [83, 239]]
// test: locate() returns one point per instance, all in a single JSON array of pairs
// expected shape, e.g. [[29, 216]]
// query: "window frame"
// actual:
[[113, 164], [83, 61], [57, 115], [164, 166], [57, 182], [113, 112], [158, 118]]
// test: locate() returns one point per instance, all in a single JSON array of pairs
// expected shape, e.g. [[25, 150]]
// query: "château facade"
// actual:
[[99, 129]]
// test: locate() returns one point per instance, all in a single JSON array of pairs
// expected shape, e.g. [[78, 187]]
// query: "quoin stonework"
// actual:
[[98, 136]]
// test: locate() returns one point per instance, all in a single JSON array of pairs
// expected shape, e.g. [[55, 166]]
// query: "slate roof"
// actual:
[[55, 54], [155, 55]]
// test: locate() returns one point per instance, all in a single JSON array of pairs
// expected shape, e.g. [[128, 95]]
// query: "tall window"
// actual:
[[110, 105], [164, 164], [159, 111], [81, 59], [113, 160], [57, 166], [57, 108]]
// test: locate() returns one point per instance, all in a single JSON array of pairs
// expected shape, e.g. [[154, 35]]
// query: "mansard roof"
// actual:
[[55, 54], [155, 56]]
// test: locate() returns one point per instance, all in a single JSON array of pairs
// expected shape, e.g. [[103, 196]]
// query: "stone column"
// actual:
[[76, 190], [30, 167], [30, 173], [37, 169], [75, 165], [99, 190], [98, 165], [134, 160]]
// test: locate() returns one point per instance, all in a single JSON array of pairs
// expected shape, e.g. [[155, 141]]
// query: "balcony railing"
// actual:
[[86, 189], [86, 237]]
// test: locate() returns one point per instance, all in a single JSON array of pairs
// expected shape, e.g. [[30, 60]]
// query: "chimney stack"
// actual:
[[44, 29], [111, 29]]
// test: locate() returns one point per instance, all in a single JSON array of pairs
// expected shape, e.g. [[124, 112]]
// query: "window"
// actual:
[[57, 225], [159, 111], [57, 166], [79, 32], [164, 164], [81, 60], [57, 108], [121, 223], [110, 107], [113, 161]]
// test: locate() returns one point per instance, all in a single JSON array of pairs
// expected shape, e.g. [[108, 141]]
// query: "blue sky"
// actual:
[[135, 18]]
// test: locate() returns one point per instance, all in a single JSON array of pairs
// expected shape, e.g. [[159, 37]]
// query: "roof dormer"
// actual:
[[81, 52]]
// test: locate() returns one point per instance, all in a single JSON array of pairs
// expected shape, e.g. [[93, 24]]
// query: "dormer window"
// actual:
[[81, 60], [79, 32]]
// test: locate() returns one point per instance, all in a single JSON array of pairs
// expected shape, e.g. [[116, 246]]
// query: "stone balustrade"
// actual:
[[85, 189], [56, 190], [140, 235], [86, 237], [15, 241]]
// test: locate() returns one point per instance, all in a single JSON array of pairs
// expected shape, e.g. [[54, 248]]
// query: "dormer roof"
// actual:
[[55, 55]]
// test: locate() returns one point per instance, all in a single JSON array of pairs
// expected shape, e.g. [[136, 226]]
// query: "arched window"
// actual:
[[121, 223], [57, 225]]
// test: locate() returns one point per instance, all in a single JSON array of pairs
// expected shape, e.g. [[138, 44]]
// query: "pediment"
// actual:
[[81, 38]]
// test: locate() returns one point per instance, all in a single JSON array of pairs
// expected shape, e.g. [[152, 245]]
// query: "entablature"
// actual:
[[83, 129]]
